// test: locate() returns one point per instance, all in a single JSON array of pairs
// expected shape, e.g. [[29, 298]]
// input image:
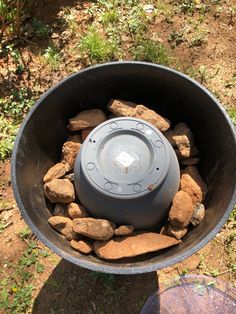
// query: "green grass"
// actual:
[[96, 47], [151, 51], [52, 57]]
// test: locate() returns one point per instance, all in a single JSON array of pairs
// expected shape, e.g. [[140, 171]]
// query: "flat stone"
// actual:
[[176, 232], [124, 230], [69, 153], [60, 191], [198, 214], [98, 229], [82, 246], [60, 210], [55, 172], [133, 245], [181, 210], [192, 183], [76, 211], [122, 108], [190, 161], [85, 133], [183, 138], [63, 225], [86, 119]]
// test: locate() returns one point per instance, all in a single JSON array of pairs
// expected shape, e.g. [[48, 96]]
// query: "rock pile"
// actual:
[[108, 241]]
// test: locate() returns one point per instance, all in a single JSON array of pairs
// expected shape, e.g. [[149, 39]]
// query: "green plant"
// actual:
[[52, 57], [41, 30], [25, 233], [8, 132], [150, 51], [96, 47], [110, 16], [176, 38], [232, 114]]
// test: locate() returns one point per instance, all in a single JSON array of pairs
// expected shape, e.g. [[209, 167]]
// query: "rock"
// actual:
[[190, 161], [176, 232], [63, 225], [76, 138], [60, 191], [60, 210], [69, 153], [98, 229], [124, 230], [55, 172], [169, 136], [183, 138], [128, 109], [82, 246], [198, 214], [192, 183], [69, 176], [76, 211], [181, 210], [132, 245], [86, 119], [85, 133]]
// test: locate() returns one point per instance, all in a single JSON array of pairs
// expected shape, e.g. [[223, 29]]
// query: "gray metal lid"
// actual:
[[125, 157]]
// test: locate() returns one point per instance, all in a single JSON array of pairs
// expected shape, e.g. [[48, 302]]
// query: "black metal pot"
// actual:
[[172, 94]]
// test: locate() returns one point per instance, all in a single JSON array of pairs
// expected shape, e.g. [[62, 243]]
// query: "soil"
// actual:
[[63, 287]]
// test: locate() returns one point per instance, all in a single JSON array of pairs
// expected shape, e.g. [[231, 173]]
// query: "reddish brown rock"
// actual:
[[85, 133], [169, 136], [55, 172], [76, 138], [198, 214], [176, 232], [76, 211], [192, 183], [181, 210], [60, 191], [69, 153], [60, 210], [124, 230], [128, 109], [132, 245], [190, 161], [63, 225], [82, 246], [98, 229], [183, 138], [86, 119]]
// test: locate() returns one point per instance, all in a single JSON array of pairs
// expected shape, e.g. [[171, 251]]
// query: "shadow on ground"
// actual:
[[71, 289]]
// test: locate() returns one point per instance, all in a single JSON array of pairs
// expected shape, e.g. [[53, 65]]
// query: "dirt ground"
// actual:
[[200, 43]]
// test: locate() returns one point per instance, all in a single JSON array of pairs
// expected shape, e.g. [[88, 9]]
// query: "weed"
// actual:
[[176, 38], [8, 130], [69, 16], [197, 41], [16, 292], [96, 47], [151, 51], [41, 30], [109, 17], [232, 114], [25, 233], [52, 57], [141, 301]]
